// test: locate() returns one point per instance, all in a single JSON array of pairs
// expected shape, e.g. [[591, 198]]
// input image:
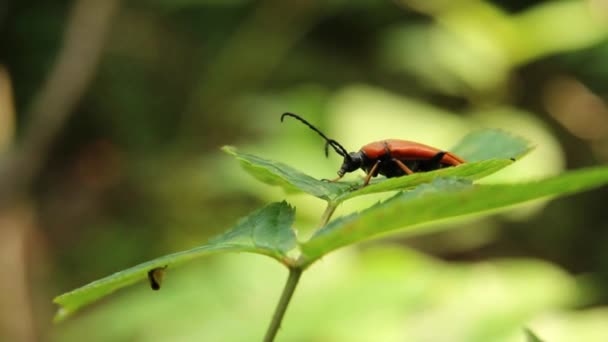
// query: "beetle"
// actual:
[[390, 157]]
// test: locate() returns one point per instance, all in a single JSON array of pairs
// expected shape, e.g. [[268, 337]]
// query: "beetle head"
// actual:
[[352, 162]]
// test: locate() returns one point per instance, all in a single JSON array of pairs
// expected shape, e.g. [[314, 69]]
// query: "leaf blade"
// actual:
[[471, 171], [491, 144], [266, 231], [290, 179], [440, 200]]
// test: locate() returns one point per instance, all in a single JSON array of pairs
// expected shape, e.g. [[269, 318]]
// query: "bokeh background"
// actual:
[[111, 118]]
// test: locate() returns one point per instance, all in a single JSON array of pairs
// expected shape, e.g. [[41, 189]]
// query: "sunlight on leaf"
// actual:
[[491, 144]]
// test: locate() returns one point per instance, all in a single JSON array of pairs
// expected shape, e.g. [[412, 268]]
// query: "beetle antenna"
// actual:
[[329, 142], [336, 146]]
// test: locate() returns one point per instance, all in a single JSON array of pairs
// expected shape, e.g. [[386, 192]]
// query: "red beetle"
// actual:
[[391, 157]]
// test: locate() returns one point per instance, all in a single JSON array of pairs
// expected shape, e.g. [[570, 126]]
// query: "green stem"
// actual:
[[329, 211], [277, 318], [292, 282]]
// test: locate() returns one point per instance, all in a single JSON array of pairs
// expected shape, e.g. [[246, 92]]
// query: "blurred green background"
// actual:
[[111, 118]]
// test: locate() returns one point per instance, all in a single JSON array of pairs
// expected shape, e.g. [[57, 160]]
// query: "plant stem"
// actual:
[[329, 211], [292, 282], [290, 287]]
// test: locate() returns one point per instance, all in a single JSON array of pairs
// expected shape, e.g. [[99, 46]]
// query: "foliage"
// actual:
[[266, 231], [450, 193], [135, 172]]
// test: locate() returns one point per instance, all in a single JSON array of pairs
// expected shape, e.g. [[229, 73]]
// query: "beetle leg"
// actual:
[[402, 166], [435, 162], [371, 173], [334, 180]]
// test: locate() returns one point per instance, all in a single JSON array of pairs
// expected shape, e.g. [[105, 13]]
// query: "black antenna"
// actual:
[[329, 142]]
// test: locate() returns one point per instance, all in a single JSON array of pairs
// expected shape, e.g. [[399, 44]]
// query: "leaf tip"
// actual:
[[61, 314], [63, 311], [229, 149], [286, 204]]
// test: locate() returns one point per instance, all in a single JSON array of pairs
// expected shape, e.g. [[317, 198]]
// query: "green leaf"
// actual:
[[487, 151], [439, 200], [491, 144], [470, 171], [290, 179], [266, 231]]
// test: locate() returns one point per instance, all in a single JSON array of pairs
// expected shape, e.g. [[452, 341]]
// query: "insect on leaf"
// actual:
[[486, 151]]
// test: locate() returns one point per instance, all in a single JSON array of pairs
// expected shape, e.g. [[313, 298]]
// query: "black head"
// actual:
[[352, 161]]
